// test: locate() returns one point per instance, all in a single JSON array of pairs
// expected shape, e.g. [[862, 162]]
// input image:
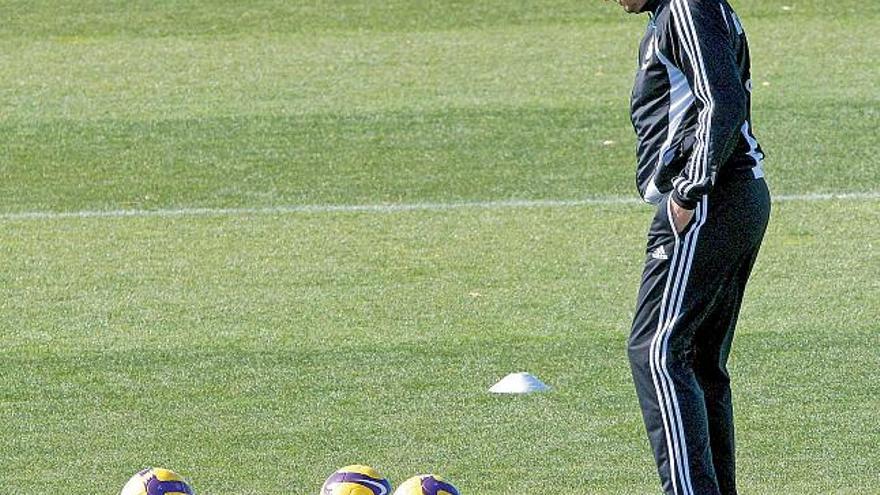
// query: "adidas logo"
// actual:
[[659, 254]]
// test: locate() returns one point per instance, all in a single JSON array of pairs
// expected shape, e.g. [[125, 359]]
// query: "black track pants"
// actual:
[[690, 296]]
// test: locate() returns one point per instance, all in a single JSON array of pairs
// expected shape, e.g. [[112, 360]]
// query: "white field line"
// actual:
[[396, 207]]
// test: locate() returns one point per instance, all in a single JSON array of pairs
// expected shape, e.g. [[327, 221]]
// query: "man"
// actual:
[[700, 163]]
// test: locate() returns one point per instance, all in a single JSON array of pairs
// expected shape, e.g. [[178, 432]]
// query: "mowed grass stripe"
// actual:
[[84, 19], [516, 111]]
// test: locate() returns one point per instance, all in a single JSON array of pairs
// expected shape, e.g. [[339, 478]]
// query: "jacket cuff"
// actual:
[[680, 200]]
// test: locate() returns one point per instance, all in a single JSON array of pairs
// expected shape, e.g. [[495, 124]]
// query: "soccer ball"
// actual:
[[156, 481], [426, 484], [356, 480]]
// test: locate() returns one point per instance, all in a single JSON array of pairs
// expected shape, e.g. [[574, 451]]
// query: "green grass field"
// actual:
[[257, 350]]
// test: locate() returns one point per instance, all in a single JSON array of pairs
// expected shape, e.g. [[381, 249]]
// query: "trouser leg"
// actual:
[[712, 344], [671, 400], [710, 368]]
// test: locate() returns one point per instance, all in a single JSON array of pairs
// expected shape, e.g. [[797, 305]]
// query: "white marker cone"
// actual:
[[519, 383]]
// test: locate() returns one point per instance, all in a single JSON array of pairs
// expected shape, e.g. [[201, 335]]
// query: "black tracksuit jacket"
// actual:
[[691, 102]]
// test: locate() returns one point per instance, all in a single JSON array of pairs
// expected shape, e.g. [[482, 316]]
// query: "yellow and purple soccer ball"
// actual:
[[426, 484], [156, 481], [356, 480]]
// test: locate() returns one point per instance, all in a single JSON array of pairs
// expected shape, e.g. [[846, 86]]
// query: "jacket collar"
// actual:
[[653, 5]]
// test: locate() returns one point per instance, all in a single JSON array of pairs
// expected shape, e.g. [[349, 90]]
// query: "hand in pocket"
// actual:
[[681, 217]]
